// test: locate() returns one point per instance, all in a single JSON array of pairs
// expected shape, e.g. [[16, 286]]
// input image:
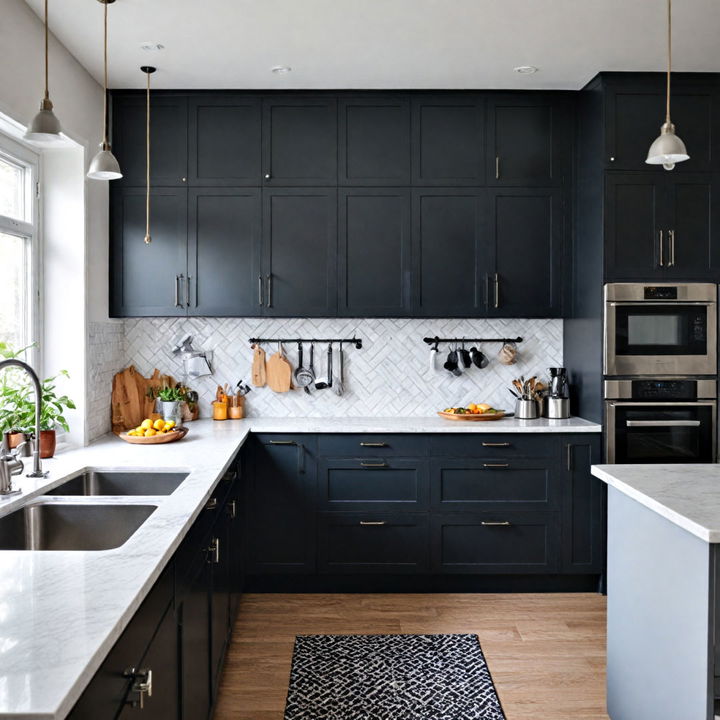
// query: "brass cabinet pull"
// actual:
[[269, 290], [187, 291], [569, 457], [496, 465], [494, 444], [497, 291], [373, 465], [231, 509], [372, 522], [261, 294], [497, 167], [211, 504], [142, 685], [661, 243], [281, 442], [373, 444], [177, 291], [671, 235], [504, 523], [214, 551]]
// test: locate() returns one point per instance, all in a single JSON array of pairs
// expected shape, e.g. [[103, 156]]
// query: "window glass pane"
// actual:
[[14, 290], [12, 190]]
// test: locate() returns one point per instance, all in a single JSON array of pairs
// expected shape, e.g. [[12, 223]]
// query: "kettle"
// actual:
[[558, 382]]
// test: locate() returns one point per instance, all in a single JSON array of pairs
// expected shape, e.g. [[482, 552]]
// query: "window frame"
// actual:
[[20, 154]]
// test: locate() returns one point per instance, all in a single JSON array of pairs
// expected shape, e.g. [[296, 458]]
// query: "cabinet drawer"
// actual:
[[373, 542], [373, 483], [364, 445], [498, 542], [500, 445], [458, 484]]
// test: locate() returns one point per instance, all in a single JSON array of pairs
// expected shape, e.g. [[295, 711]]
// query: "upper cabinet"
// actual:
[[224, 140], [527, 140], [374, 144], [168, 139], [299, 141], [448, 139]]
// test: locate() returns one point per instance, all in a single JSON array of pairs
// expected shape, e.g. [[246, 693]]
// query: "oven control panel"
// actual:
[[661, 292], [661, 389]]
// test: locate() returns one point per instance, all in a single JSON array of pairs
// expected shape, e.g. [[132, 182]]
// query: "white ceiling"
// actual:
[[384, 43]]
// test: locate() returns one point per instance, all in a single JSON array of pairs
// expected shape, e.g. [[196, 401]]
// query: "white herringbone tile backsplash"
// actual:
[[391, 375]]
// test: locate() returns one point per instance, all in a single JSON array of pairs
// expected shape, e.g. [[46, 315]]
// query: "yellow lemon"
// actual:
[[132, 433], [159, 424], [170, 424], [139, 429], [146, 424], [150, 432]]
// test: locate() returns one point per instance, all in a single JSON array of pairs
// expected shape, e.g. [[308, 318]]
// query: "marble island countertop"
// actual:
[[62, 611], [686, 495]]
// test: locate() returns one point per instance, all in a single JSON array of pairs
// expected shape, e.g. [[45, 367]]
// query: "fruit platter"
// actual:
[[472, 413], [154, 432]]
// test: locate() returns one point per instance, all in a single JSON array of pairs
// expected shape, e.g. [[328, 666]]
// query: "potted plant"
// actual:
[[170, 399], [17, 407]]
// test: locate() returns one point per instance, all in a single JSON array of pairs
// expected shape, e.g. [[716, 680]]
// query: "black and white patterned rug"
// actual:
[[390, 677]]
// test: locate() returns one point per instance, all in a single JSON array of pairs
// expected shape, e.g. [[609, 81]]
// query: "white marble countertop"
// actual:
[[686, 495], [61, 612]]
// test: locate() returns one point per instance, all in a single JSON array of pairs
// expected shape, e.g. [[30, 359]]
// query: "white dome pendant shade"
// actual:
[[45, 127], [668, 148], [104, 166]]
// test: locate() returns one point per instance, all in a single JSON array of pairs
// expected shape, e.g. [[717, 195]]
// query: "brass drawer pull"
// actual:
[[373, 444], [282, 442], [372, 522], [504, 523], [373, 465], [502, 444], [496, 465], [211, 504]]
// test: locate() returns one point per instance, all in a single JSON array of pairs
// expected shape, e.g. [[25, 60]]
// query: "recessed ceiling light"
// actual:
[[152, 46], [525, 69], [281, 69]]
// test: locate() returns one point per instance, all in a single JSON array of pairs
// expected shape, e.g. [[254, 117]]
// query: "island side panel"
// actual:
[[659, 633]]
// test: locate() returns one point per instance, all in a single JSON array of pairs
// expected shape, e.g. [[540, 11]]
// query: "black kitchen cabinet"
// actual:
[[224, 140], [527, 228], [448, 140], [300, 141], [168, 139], [224, 251], [220, 551], [374, 253], [280, 504], [148, 280], [299, 252], [660, 226], [526, 141], [451, 258], [374, 141]]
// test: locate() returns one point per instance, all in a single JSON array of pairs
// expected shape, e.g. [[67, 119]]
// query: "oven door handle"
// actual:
[[662, 423], [655, 303]]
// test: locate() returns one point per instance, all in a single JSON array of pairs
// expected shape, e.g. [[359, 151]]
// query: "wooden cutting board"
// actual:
[[131, 399], [259, 374], [279, 373]]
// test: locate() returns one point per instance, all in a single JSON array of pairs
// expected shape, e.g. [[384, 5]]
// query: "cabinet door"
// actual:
[[224, 133], [300, 141], [692, 250], [451, 253], [168, 139], [448, 140], [524, 142], [583, 508], [300, 252], [220, 556], [374, 253], [148, 280], [634, 246], [527, 237], [374, 141], [224, 251], [281, 504], [634, 117], [161, 660]]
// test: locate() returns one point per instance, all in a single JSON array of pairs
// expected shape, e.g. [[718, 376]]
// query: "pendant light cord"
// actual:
[[667, 99], [105, 80], [147, 160], [47, 84]]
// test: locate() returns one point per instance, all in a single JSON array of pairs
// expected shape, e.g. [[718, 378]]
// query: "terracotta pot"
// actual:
[[47, 443], [14, 439]]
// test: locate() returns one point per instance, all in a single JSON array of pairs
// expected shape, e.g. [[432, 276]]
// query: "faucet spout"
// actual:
[[37, 471]]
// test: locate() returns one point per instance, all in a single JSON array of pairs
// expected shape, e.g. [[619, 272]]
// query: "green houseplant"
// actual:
[[17, 406], [170, 399]]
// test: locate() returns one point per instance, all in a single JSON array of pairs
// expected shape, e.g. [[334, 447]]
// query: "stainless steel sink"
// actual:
[[136, 482], [71, 526]]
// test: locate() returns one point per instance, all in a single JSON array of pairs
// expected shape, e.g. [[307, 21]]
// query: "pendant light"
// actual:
[[668, 148], [148, 70], [45, 127], [104, 166]]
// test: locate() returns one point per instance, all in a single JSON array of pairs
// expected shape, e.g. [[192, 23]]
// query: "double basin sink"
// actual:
[[66, 524]]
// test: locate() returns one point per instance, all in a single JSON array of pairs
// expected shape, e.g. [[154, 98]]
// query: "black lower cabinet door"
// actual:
[[373, 543], [236, 549], [220, 556], [495, 542], [148, 280], [224, 251], [374, 253], [155, 689], [299, 252], [451, 255], [527, 239], [583, 508], [280, 509]]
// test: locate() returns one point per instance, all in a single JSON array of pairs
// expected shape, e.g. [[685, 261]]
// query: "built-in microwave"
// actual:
[[661, 329]]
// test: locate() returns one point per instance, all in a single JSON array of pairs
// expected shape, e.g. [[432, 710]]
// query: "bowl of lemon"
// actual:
[[154, 432]]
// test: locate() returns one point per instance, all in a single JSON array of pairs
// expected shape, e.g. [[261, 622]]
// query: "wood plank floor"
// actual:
[[546, 652]]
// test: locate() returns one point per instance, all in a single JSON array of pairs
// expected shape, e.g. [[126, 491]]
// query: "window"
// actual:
[[19, 261]]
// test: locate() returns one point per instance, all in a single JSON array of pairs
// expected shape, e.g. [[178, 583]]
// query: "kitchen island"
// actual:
[[663, 570]]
